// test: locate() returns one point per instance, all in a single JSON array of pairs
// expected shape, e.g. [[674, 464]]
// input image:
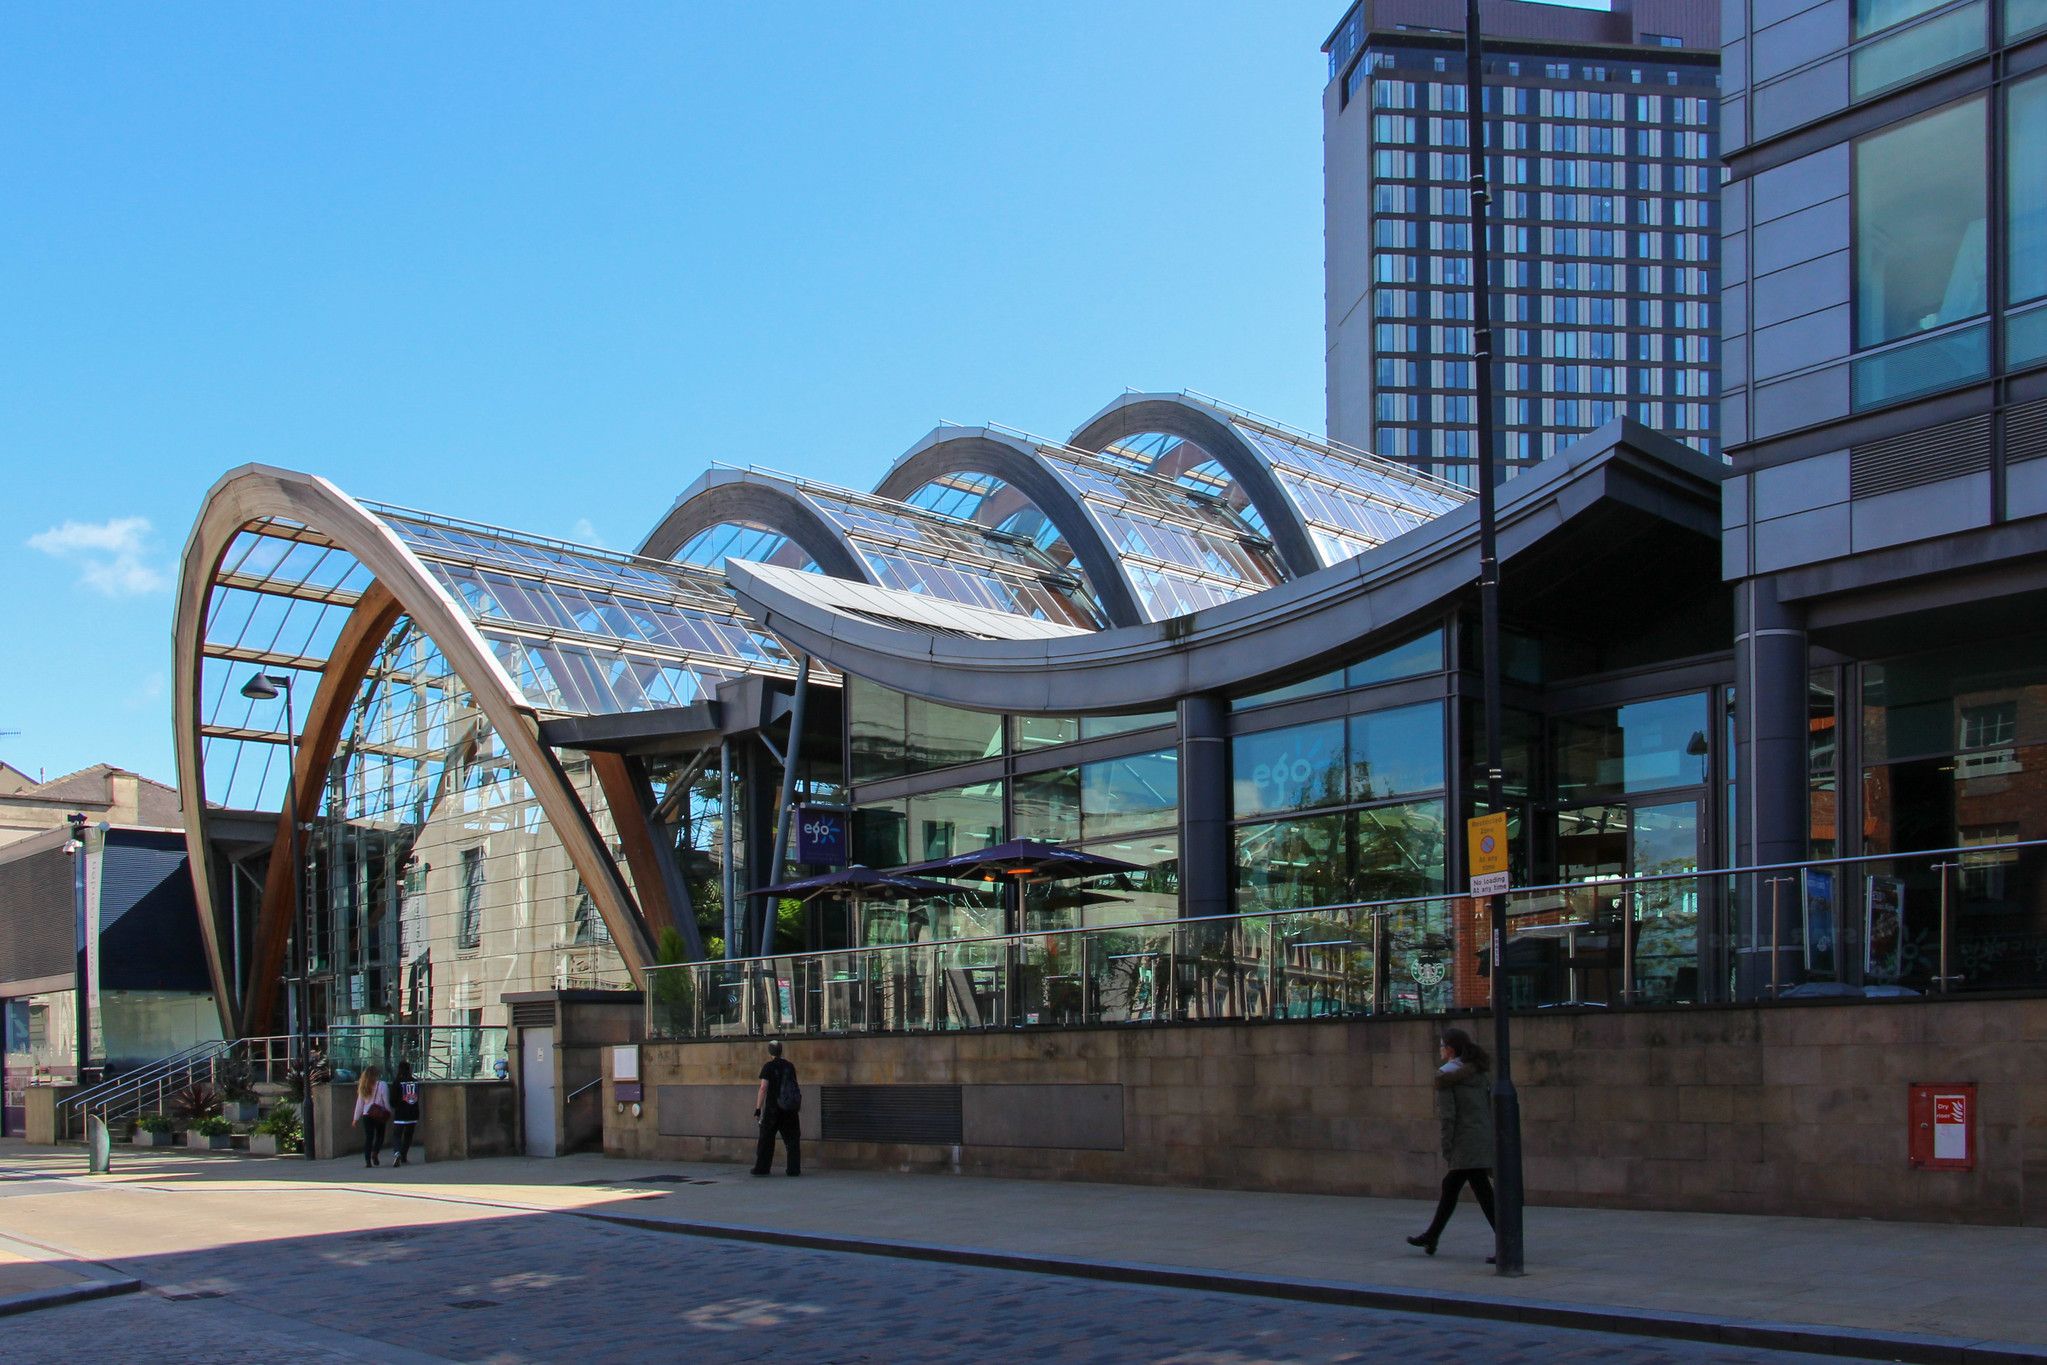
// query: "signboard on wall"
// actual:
[[821, 835], [1485, 846], [1943, 1120]]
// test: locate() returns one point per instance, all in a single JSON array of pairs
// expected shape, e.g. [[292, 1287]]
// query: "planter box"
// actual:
[[145, 1138], [265, 1144], [241, 1111], [200, 1143]]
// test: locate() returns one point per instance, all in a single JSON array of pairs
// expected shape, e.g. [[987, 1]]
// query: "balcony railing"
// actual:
[[437, 1052], [1941, 921]]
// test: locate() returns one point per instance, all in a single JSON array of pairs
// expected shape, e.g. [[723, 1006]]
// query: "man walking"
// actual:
[[778, 1104]]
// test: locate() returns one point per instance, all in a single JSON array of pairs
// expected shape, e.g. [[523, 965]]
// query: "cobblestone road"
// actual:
[[543, 1287]]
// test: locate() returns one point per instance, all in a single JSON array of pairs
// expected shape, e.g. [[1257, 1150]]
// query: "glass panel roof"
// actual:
[[919, 549], [1182, 550], [1190, 466], [579, 630], [713, 545], [1351, 501]]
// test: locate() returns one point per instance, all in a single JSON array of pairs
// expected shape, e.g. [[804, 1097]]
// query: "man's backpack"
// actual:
[[789, 1095]]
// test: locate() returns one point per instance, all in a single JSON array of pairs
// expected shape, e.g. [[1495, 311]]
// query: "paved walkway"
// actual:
[[1924, 1282]]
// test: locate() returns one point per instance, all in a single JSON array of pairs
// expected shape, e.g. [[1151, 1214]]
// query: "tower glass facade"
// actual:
[[1602, 158]]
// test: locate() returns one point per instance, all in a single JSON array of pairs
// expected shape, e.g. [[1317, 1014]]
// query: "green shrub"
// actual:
[[153, 1123], [237, 1080], [282, 1119], [213, 1125], [196, 1101], [282, 1123]]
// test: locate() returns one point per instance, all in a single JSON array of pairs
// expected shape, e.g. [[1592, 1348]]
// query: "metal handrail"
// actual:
[[580, 1090], [1379, 908], [211, 1049]]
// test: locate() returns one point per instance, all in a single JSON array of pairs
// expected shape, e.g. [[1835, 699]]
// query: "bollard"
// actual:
[[99, 1145]]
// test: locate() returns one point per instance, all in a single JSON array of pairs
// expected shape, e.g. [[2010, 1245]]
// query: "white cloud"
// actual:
[[112, 555], [584, 532]]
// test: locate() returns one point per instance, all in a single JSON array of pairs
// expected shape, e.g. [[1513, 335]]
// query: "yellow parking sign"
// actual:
[[1485, 851]]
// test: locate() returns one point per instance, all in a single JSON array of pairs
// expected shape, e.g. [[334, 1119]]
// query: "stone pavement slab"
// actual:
[[1928, 1282], [356, 1274]]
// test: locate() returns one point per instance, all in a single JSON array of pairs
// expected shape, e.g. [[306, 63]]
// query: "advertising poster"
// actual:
[[1821, 929], [1883, 938]]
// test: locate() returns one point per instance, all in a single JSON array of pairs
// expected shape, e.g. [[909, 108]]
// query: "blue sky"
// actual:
[[540, 265]]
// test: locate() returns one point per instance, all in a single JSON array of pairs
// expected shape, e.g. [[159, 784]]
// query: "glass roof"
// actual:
[[1182, 550], [919, 549], [1190, 466], [1351, 501], [579, 630], [713, 545]]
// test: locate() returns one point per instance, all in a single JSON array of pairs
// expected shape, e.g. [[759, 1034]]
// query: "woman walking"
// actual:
[[372, 1111], [404, 1112], [1464, 1108]]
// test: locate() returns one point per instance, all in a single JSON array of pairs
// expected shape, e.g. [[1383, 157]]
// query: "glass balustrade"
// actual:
[[1972, 918]]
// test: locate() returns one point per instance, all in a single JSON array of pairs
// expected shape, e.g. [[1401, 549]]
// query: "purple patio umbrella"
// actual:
[[859, 883], [1021, 860]]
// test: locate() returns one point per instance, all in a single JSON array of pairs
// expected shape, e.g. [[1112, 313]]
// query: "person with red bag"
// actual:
[[372, 1111]]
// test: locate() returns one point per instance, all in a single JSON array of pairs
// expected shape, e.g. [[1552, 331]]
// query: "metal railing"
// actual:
[[437, 1052], [153, 1089], [1934, 921]]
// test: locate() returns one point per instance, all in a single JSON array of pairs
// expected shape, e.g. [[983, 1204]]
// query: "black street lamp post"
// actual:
[[1506, 1103], [266, 687]]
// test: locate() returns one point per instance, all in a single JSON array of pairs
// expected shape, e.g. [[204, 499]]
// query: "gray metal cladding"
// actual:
[[38, 921], [1916, 458]]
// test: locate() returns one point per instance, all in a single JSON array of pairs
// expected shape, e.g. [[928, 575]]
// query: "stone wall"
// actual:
[[1797, 1108], [457, 1120]]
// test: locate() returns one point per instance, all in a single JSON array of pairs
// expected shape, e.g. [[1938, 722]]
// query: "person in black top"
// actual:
[[767, 1107], [404, 1111]]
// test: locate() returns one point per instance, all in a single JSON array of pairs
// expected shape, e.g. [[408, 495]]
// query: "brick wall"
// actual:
[[1791, 1109]]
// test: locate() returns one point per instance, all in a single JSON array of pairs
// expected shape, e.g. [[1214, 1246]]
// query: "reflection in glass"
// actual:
[[1422, 654], [1643, 746], [438, 885], [1918, 50], [1920, 211], [1288, 769], [1666, 931], [2026, 186], [1873, 16], [1938, 362], [1289, 864], [1396, 752], [1136, 792]]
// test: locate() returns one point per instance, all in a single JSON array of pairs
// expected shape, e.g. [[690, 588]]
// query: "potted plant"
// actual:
[[277, 1133], [196, 1101], [153, 1130], [238, 1091], [210, 1134]]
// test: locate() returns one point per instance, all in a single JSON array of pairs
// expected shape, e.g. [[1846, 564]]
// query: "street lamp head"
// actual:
[[264, 686]]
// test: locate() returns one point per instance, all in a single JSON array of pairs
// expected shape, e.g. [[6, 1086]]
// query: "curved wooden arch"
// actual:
[[255, 492]]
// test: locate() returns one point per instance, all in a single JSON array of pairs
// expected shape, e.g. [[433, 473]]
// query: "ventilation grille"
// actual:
[[2025, 432], [891, 1113], [1919, 457], [533, 1014]]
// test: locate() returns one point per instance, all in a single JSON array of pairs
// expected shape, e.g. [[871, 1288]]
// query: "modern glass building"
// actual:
[[1886, 412], [1602, 128], [1227, 654]]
